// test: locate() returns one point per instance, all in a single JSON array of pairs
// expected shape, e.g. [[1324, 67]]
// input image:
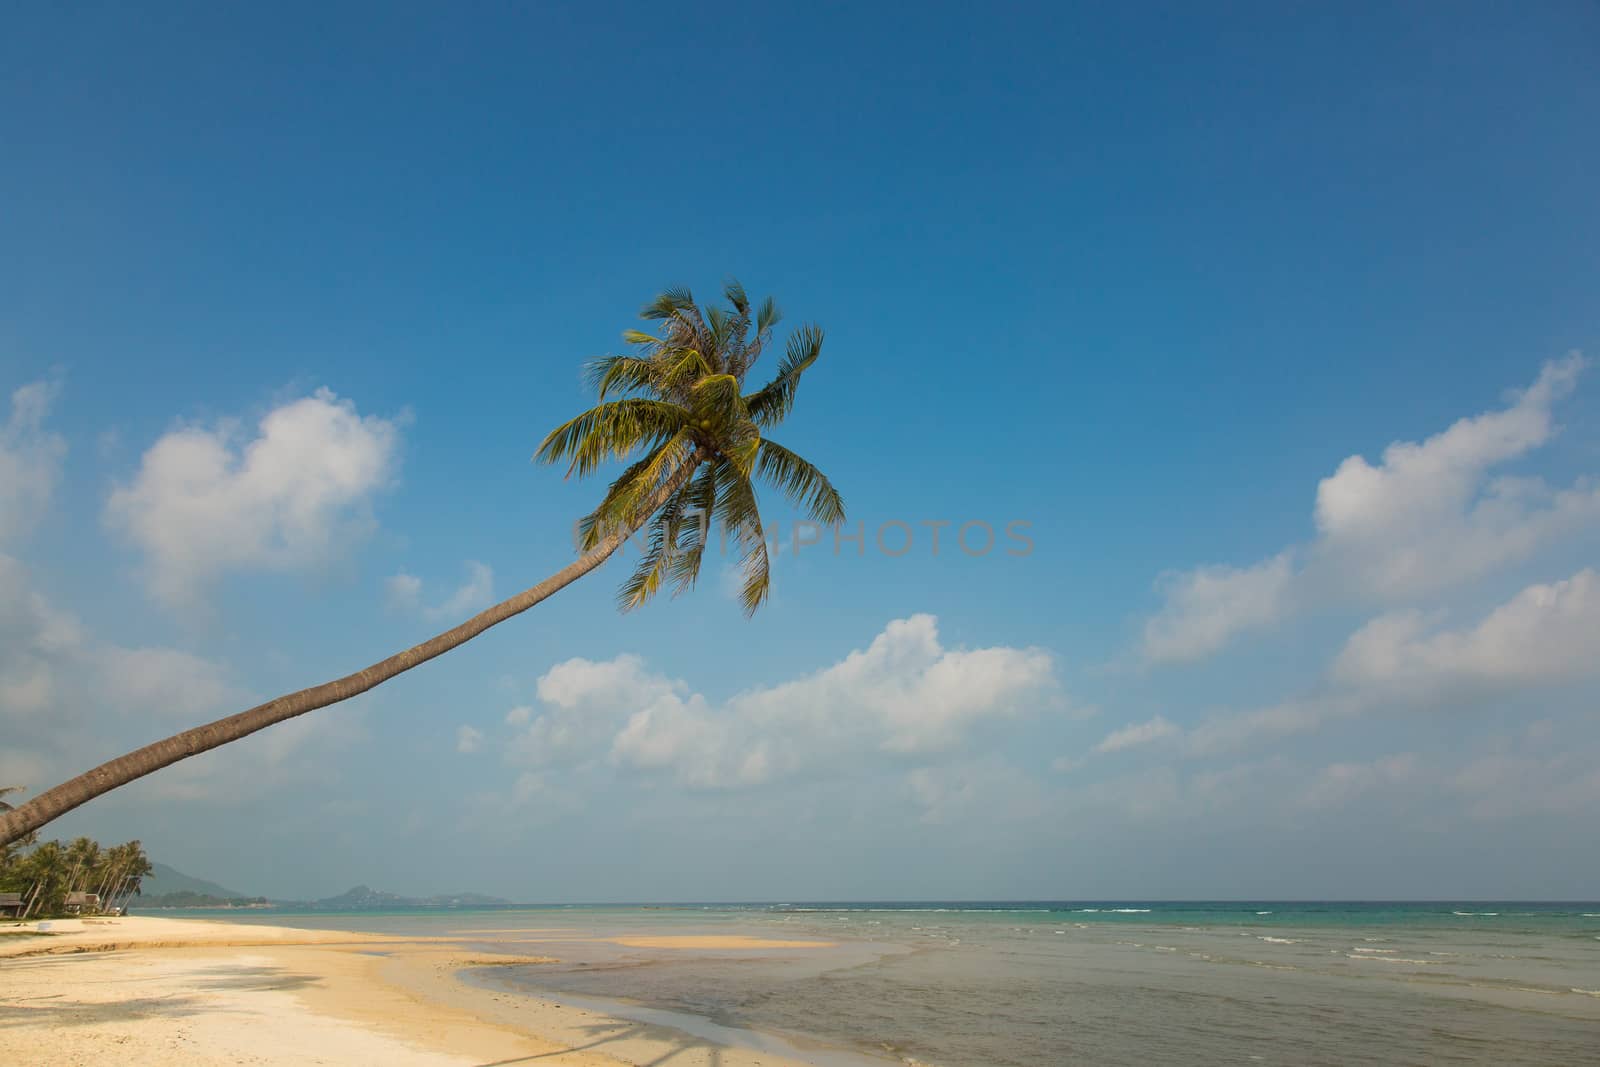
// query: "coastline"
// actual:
[[147, 990]]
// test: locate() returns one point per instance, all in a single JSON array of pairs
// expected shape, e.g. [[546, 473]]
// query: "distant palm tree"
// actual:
[[678, 404]]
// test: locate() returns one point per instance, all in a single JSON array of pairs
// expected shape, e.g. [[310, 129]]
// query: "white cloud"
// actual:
[[1533, 778], [68, 698], [583, 703], [30, 460], [473, 595], [1428, 516], [469, 739], [1144, 733], [404, 593], [1545, 634], [206, 501], [168, 682], [40, 648], [301, 752], [1511, 785], [1339, 783], [1205, 607], [905, 693], [1227, 733]]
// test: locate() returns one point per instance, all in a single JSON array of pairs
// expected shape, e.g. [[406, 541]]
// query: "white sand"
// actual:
[[151, 991]]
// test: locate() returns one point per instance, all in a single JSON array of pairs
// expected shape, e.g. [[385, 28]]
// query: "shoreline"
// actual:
[[158, 991]]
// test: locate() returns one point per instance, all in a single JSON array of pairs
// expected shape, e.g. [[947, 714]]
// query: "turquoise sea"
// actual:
[[1093, 982]]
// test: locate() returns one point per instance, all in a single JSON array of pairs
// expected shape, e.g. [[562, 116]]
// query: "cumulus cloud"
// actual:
[[170, 683], [30, 460], [1547, 635], [905, 693], [404, 593], [469, 739], [65, 693], [582, 703], [1205, 607], [39, 647], [207, 500], [1144, 733], [1429, 515]]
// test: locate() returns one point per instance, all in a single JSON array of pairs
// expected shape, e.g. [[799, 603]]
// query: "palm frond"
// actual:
[[701, 508], [610, 431], [679, 369], [801, 482], [771, 404], [672, 300], [620, 374], [612, 511], [620, 509], [741, 518], [646, 578], [768, 316]]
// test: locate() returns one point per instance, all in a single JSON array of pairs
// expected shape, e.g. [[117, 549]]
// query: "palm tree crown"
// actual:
[[678, 404]]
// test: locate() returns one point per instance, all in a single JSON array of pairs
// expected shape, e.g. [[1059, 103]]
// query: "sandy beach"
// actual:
[[147, 990]]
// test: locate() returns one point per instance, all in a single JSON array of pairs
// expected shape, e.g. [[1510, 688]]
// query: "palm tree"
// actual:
[[678, 404]]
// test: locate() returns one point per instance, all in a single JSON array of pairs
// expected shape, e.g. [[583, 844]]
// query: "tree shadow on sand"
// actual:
[[606, 1033], [54, 1011]]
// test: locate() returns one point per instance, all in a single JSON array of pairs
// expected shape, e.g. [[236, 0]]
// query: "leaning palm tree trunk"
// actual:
[[53, 803]]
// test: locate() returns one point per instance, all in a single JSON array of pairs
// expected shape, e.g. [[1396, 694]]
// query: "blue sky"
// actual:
[[291, 295]]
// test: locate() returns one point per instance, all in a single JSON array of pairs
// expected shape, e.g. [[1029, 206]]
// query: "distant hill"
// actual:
[[171, 888], [362, 898], [168, 887], [166, 880]]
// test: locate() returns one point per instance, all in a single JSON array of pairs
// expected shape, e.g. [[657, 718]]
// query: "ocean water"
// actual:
[[1110, 982]]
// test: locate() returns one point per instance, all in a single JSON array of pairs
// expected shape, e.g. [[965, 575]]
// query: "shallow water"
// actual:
[[1100, 983]]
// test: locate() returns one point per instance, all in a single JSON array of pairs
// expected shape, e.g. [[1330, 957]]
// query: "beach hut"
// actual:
[[82, 903], [11, 905]]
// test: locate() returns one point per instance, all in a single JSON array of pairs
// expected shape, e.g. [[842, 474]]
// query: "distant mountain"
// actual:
[[363, 898], [167, 887], [171, 888], [166, 880]]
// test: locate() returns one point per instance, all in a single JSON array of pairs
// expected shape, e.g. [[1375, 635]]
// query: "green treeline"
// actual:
[[49, 875]]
